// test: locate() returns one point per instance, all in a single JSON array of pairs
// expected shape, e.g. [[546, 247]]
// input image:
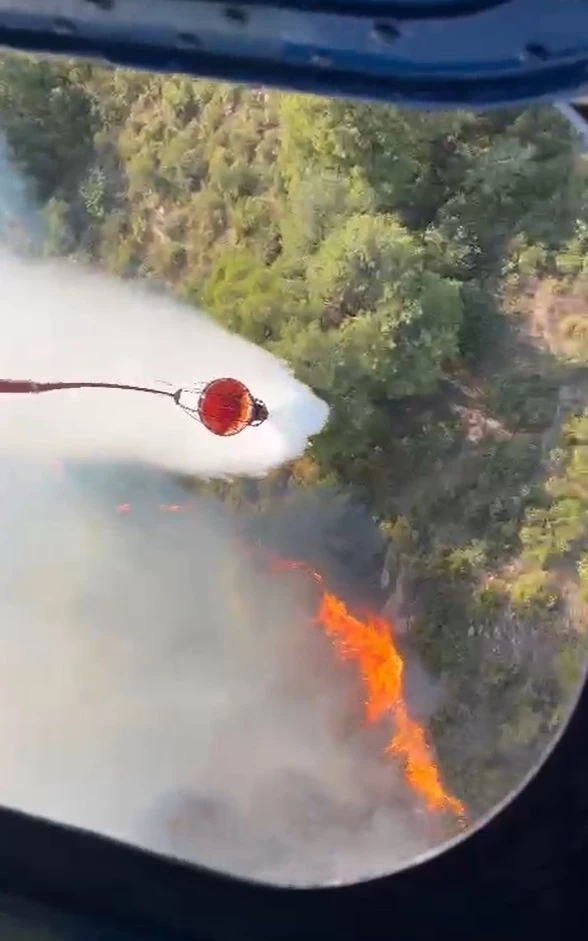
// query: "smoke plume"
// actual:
[[156, 683], [160, 686]]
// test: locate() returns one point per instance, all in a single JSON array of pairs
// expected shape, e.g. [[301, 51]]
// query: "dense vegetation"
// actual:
[[426, 274]]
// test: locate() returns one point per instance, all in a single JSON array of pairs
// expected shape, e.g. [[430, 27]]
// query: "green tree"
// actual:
[[48, 120], [247, 298]]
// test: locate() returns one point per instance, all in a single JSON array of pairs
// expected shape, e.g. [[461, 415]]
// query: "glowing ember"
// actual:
[[370, 645], [163, 507]]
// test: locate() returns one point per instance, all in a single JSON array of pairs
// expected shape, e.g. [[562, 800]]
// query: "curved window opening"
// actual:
[[335, 622]]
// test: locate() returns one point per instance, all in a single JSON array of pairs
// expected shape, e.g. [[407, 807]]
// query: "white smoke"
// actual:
[[155, 685], [61, 323], [159, 686], [19, 222]]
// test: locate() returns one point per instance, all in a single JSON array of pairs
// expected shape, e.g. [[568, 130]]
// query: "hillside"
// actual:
[[424, 273]]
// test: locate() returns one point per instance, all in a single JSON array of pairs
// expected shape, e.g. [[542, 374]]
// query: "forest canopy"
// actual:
[[426, 274]]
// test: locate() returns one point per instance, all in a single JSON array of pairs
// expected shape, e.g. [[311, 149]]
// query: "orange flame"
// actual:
[[369, 643]]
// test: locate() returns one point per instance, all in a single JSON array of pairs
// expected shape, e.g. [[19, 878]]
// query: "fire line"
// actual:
[[370, 645]]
